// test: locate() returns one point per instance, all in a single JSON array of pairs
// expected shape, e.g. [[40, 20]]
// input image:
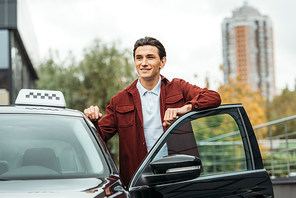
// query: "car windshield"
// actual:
[[48, 146]]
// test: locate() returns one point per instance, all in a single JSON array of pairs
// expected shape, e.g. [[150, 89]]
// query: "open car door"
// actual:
[[209, 153]]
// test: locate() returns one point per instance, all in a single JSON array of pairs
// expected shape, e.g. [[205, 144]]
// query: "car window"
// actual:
[[48, 146], [218, 139], [220, 144]]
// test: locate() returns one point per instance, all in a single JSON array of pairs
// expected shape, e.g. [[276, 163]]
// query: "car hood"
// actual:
[[90, 187]]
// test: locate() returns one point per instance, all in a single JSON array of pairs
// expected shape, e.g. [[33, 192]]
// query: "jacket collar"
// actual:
[[131, 88]]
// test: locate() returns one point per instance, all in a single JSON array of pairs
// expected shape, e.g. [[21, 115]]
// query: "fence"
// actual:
[[277, 142], [278, 146]]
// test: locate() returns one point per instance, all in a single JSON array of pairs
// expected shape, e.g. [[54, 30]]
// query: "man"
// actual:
[[141, 112]]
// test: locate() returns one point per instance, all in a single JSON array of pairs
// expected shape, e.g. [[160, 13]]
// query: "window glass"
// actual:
[[4, 79], [220, 144], [216, 139], [17, 64], [45, 146], [4, 49], [4, 93], [26, 78]]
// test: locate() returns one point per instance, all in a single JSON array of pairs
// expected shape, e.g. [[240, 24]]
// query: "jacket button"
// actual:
[[144, 143], [196, 107]]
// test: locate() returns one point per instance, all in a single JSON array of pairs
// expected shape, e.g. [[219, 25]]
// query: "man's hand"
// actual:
[[93, 113], [173, 113]]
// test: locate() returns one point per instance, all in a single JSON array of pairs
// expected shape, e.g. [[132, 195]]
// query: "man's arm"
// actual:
[[107, 125], [196, 98], [200, 98], [173, 113]]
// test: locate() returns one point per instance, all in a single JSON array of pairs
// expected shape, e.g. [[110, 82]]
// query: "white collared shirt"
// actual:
[[151, 115]]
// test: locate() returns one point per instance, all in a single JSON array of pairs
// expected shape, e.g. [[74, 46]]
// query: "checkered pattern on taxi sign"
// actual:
[[43, 96]]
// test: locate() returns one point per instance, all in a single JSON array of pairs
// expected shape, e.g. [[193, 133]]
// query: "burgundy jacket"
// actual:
[[124, 116]]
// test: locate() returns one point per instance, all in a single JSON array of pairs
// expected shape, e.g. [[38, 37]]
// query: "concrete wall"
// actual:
[[284, 187]]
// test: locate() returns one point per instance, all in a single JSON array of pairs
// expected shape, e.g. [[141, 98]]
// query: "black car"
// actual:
[[49, 151]]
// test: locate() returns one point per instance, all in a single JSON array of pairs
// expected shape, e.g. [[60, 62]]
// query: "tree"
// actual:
[[254, 103], [280, 107], [104, 71], [61, 75]]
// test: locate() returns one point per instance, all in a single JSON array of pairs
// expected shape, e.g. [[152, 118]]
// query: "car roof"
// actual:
[[18, 109]]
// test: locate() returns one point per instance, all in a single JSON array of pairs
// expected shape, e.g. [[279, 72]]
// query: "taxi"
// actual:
[[47, 150]]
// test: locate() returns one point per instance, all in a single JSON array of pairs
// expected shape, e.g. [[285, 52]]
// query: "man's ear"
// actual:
[[162, 62]]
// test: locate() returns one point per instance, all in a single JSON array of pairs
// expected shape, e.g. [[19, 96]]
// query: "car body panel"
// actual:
[[235, 185], [84, 187]]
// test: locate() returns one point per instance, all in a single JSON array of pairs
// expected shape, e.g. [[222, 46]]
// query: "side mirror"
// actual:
[[173, 168]]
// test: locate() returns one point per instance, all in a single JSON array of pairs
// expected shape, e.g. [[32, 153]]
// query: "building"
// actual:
[[18, 50], [248, 50]]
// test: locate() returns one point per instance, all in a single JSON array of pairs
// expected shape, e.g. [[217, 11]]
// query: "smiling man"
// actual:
[[141, 112]]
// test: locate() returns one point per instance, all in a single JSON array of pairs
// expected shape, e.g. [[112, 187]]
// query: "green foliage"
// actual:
[[213, 126], [282, 106], [279, 163], [104, 71], [58, 75], [254, 103]]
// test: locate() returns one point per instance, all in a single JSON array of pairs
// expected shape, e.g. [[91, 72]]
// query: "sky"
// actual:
[[190, 30]]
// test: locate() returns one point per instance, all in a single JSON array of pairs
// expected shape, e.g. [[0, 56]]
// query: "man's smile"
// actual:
[[145, 69]]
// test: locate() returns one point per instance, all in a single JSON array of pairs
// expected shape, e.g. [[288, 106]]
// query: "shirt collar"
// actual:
[[155, 90]]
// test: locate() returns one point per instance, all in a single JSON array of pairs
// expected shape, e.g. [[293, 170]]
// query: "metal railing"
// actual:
[[278, 150]]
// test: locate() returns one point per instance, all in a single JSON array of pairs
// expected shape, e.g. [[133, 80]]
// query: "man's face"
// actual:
[[148, 63]]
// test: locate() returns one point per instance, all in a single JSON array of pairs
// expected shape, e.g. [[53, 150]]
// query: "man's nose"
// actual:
[[144, 61]]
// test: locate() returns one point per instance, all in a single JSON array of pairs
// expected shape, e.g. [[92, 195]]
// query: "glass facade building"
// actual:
[[248, 50], [18, 50]]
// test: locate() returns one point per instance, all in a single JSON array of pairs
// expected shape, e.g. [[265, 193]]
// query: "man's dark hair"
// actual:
[[150, 41]]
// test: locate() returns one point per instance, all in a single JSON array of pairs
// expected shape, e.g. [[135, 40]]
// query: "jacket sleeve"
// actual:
[[200, 98], [106, 126]]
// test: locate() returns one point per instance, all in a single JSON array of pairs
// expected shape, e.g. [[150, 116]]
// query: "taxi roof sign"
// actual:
[[40, 98]]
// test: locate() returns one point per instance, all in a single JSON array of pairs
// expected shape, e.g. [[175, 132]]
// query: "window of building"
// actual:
[[4, 93], [4, 46]]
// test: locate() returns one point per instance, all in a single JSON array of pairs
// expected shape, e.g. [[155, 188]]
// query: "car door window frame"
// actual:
[[198, 114]]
